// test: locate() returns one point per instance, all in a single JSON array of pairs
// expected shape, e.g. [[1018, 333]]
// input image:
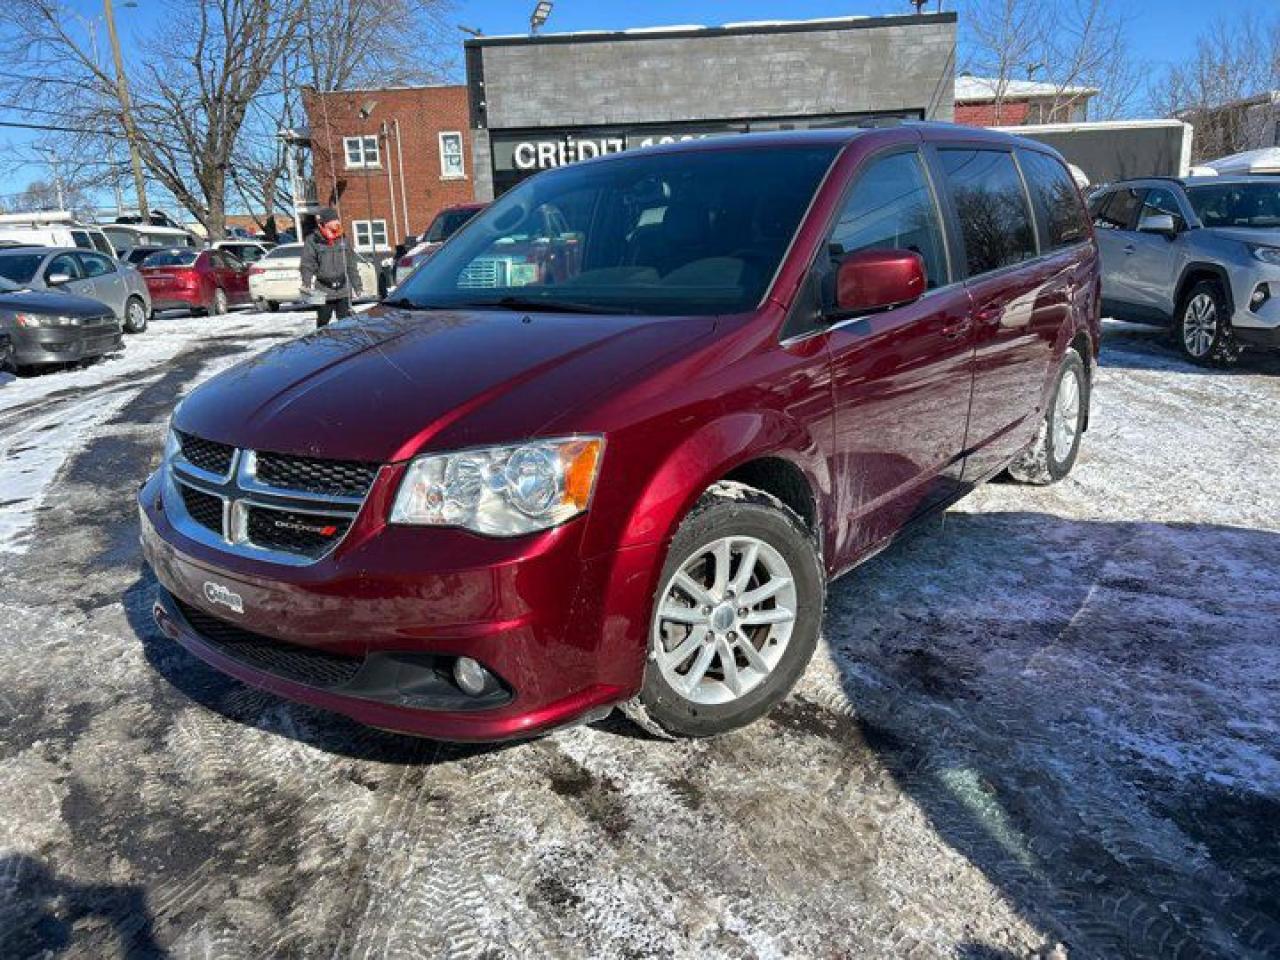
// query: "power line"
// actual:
[[56, 129]]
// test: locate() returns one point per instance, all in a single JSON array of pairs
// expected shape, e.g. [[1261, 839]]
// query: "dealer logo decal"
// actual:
[[217, 593]]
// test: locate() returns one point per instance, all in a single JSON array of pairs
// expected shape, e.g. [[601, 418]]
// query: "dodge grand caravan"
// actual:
[[607, 446]]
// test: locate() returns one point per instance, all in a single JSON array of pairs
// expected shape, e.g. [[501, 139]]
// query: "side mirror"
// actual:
[[878, 278], [1158, 223], [57, 279]]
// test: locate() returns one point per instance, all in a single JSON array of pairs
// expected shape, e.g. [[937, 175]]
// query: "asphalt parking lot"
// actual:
[[1053, 715]]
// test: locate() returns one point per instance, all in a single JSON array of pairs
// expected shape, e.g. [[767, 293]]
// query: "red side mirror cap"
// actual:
[[878, 278]]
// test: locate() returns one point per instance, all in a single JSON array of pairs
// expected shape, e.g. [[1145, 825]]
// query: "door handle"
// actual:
[[957, 330]]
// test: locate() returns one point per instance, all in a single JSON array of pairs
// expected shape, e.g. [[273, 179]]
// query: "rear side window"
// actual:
[[891, 206], [96, 266], [991, 204], [1119, 210], [1060, 216], [81, 240]]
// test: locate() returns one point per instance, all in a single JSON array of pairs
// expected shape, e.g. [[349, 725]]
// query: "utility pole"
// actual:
[[126, 111]]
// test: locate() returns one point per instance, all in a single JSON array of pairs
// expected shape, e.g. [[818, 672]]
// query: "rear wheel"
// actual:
[[1053, 453], [736, 617], [272, 306], [135, 315], [1203, 330], [218, 305]]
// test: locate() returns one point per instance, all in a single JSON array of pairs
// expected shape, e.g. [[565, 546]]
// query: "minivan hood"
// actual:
[[390, 383]]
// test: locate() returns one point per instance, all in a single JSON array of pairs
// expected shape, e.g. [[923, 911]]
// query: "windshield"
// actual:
[[171, 258], [289, 251], [666, 234], [1237, 204], [19, 268], [446, 225]]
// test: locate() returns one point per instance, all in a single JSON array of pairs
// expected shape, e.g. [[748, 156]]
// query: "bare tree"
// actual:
[[1235, 60], [1079, 47], [211, 85]]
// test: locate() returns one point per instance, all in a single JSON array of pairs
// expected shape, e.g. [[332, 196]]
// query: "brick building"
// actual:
[[981, 102], [388, 160]]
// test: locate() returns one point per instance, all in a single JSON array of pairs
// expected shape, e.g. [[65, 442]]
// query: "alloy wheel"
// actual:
[[1200, 325], [136, 316], [1066, 415], [724, 620]]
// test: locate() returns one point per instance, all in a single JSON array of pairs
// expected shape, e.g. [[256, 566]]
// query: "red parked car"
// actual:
[[204, 281], [616, 465]]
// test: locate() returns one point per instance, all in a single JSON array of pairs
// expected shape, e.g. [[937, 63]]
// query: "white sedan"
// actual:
[[277, 277]]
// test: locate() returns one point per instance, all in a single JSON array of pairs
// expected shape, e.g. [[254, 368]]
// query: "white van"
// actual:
[[126, 236], [55, 228]]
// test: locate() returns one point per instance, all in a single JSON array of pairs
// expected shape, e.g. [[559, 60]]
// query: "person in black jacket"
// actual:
[[330, 279]]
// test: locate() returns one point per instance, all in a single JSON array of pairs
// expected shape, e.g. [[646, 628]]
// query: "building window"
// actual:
[[451, 165], [361, 152], [371, 235]]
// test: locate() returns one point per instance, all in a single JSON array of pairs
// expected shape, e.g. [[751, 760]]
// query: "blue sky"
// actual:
[[1163, 32]]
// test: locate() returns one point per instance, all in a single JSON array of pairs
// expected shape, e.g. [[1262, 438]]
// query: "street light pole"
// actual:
[[126, 111]]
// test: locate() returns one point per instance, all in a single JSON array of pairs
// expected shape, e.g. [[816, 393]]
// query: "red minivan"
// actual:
[[606, 448], [203, 281]]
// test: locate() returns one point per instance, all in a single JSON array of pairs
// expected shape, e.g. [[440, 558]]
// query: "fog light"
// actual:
[[470, 676], [1260, 296]]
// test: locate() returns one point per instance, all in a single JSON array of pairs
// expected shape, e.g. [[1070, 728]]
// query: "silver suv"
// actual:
[[1200, 253]]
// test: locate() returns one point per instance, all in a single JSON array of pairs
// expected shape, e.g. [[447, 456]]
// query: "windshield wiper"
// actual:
[[544, 305], [404, 303]]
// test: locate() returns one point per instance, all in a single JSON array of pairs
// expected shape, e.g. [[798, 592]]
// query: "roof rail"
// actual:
[[39, 216]]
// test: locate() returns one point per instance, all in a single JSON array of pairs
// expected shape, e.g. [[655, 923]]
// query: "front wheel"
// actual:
[[1053, 453], [1203, 329], [135, 316], [736, 617]]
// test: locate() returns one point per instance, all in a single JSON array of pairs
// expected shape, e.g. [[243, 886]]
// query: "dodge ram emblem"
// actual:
[[217, 593]]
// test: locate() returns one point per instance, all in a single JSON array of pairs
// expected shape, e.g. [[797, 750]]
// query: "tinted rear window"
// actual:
[[1060, 216], [20, 267], [992, 206], [292, 251], [171, 258], [446, 225]]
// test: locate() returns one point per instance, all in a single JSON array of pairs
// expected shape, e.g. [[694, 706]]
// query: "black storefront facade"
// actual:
[[543, 102]]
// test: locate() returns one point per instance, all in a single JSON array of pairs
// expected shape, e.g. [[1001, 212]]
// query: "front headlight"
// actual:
[[501, 491], [1269, 255]]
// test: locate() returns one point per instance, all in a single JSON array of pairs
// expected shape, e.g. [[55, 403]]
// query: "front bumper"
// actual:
[[391, 607], [36, 345]]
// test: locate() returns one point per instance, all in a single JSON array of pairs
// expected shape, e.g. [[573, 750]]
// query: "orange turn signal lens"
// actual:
[[581, 464]]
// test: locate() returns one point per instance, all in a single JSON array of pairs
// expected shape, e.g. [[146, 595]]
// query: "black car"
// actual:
[[43, 328]]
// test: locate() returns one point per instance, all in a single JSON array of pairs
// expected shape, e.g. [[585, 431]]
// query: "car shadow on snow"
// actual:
[[39, 910], [1137, 347], [1089, 712], [328, 732]]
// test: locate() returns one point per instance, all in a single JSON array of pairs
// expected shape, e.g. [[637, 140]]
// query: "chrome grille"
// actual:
[[275, 507]]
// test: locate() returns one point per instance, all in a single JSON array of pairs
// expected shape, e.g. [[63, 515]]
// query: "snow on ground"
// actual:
[[1051, 715], [48, 418]]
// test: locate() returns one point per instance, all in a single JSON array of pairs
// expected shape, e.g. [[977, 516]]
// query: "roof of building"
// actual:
[[699, 30], [971, 89]]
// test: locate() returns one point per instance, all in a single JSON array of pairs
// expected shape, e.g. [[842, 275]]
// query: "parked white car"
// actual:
[[55, 228], [277, 277], [125, 236]]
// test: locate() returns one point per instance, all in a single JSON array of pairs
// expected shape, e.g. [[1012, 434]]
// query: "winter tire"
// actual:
[[736, 616], [1203, 329], [1053, 453], [135, 315]]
